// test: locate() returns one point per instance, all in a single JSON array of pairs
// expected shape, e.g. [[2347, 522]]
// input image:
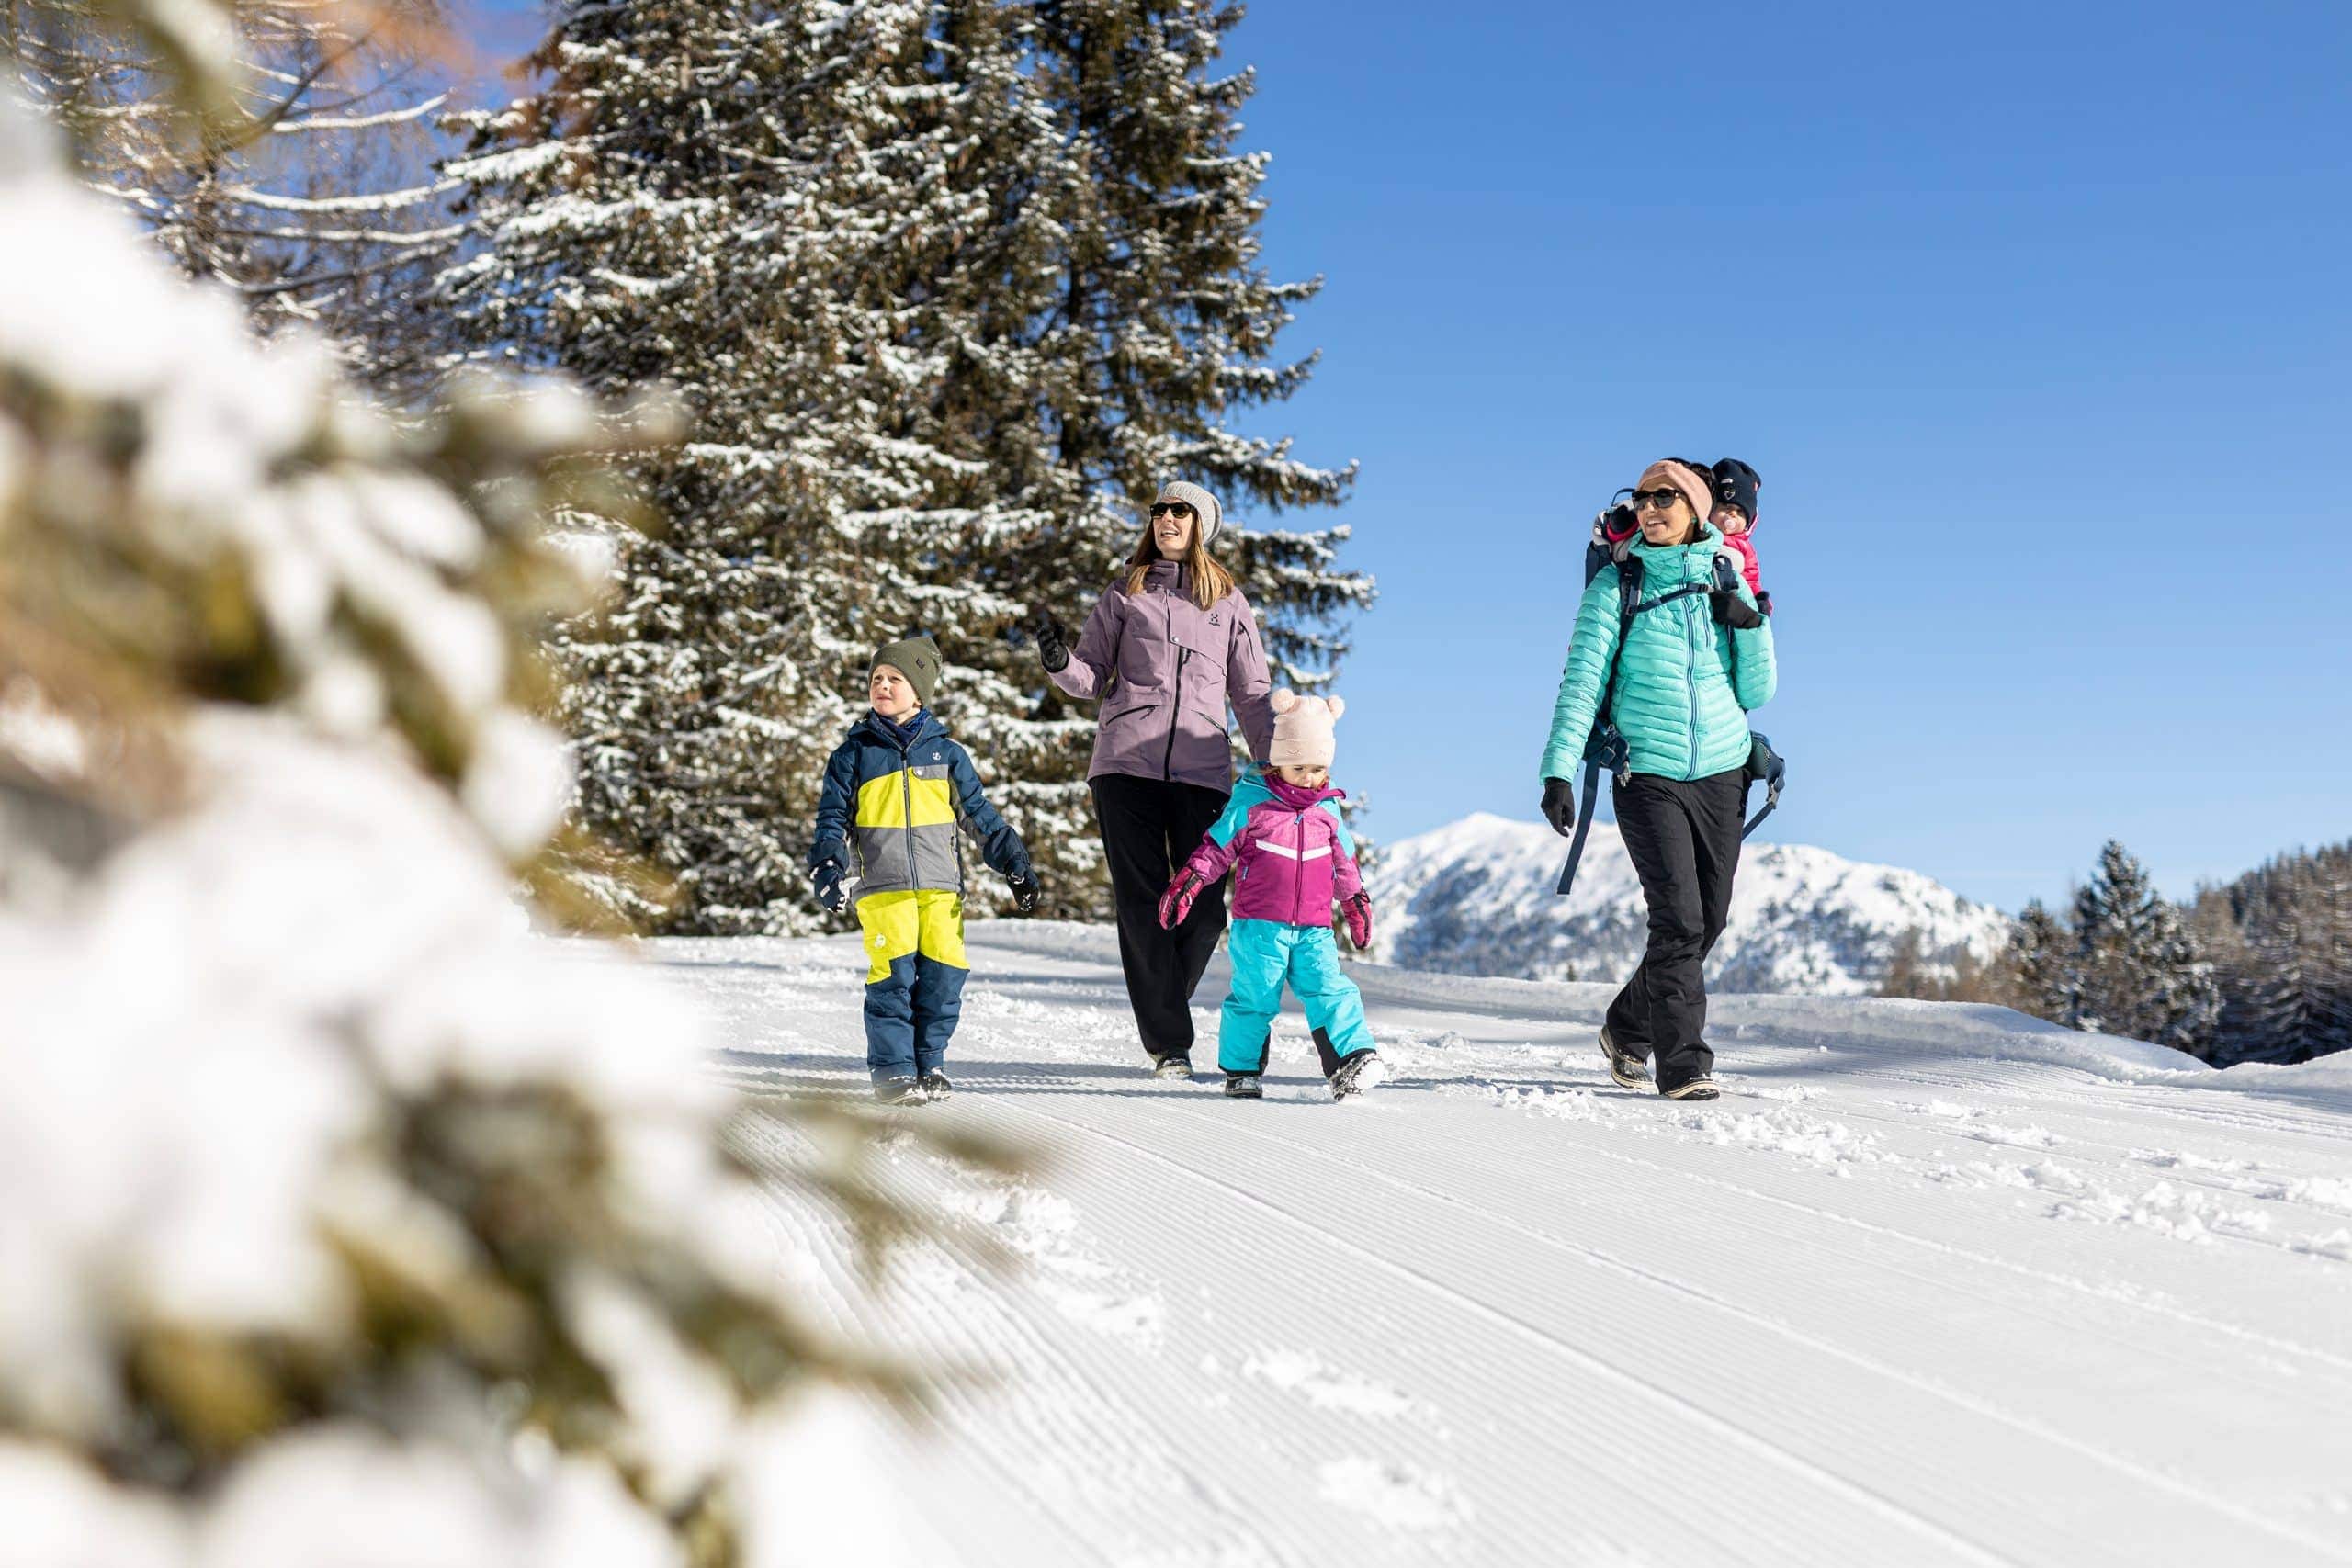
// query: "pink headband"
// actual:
[[1700, 493]]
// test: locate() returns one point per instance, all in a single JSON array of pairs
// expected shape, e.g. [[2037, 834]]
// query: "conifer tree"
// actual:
[[307, 190], [1103, 328], [2139, 970], [722, 196], [950, 288], [2039, 948]]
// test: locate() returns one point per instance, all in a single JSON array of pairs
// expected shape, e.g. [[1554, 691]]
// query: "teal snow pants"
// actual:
[[1265, 954]]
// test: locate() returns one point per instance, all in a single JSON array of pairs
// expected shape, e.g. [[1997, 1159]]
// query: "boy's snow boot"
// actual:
[[1171, 1066], [1629, 1070], [1357, 1073], [1243, 1086], [935, 1085], [898, 1091], [1701, 1088]]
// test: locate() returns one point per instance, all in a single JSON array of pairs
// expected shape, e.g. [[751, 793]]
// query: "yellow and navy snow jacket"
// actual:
[[894, 801]]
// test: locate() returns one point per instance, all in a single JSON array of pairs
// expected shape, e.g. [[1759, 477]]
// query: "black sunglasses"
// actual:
[[1663, 500], [1170, 509]]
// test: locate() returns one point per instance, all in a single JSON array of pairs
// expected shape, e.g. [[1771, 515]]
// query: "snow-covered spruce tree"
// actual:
[[950, 288], [327, 1191], [2280, 1012], [2041, 950], [729, 198], [309, 191], [2138, 971], [1153, 332]]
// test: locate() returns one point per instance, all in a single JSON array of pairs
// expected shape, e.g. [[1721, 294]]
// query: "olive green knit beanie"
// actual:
[[916, 657]]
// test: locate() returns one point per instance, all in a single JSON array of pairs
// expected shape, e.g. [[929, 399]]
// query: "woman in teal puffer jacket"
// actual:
[[1696, 659]]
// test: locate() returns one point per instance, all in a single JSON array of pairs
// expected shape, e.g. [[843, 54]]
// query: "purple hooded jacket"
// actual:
[[1165, 669], [1290, 856]]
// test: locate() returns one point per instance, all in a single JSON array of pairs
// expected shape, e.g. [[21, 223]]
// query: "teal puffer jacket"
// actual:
[[1684, 683]]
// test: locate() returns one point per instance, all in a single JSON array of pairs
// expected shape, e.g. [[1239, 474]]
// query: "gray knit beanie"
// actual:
[[1203, 504], [916, 657]]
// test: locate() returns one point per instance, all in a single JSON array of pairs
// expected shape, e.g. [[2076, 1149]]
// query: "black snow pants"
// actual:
[[1684, 839], [1149, 828]]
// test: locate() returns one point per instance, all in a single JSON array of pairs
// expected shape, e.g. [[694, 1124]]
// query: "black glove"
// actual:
[[1560, 806], [1734, 611], [1026, 891], [827, 879], [1053, 642]]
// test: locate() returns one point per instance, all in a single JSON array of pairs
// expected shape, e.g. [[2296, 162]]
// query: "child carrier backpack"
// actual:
[[1610, 546]]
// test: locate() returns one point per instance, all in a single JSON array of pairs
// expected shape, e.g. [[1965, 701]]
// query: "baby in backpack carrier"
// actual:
[[1736, 487], [1292, 858]]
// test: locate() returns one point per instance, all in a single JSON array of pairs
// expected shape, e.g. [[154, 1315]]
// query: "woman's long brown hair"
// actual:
[[1211, 582]]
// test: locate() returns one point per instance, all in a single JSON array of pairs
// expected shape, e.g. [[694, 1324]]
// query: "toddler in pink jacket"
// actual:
[[1292, 858]]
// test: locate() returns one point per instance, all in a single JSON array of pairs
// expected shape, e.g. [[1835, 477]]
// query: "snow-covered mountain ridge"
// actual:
[[1474, 897]]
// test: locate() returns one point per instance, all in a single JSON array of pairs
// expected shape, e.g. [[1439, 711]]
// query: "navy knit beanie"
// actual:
[[1735, 485]]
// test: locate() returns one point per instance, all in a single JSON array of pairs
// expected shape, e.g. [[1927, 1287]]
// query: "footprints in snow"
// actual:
[[1400, 1497], [1043, 1229], [2186, 1209]]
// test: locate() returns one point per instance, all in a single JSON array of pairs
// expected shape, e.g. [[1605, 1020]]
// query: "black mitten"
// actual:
[[1735, 611], [1053, 642], [1560, 806]]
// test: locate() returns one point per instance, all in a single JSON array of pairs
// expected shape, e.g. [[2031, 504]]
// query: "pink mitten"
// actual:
[[1177, 902], [1357, 912]]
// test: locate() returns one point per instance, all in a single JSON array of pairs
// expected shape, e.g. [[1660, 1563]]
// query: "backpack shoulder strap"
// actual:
[[1628, 590]]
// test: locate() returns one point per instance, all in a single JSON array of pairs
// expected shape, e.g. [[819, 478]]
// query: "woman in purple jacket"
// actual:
[[1169, 643]]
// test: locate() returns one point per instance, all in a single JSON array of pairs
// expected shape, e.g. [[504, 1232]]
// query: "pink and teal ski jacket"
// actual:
[[1290, 856]]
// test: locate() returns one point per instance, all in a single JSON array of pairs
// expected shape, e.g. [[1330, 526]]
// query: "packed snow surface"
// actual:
[[1933, 1284]]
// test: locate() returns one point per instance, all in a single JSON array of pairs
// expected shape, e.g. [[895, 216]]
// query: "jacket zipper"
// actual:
[[1690, 670], [907, 797], [1175, 715], [1298, 887]]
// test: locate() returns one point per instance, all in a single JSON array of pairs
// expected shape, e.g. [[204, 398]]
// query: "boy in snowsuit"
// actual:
[[897, 792], [1293, 858]]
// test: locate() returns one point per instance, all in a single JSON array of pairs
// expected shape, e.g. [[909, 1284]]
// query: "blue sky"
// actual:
[[2033, 316]]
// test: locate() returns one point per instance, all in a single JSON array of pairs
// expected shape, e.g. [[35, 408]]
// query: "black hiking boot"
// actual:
[[1171, 1066], [1629, 1070], [1357, 1073], [898, 1091], [935, 1085], [1701, 1088], [1243, 1086]]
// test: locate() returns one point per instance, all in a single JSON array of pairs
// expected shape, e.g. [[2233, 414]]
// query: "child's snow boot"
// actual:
[[1629, 1070], [1357, 1073], [935, 1085], [898, 1091], [1243, 1086], [1171, 1066]]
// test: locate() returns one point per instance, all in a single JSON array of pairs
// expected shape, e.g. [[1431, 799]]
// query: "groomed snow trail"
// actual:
[[1931, 1285]]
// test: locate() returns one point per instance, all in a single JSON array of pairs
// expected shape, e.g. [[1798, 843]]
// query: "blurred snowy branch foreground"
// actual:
[[341, 1219]]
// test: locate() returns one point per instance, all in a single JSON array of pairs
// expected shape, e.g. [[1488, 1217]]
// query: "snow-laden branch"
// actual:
[[360, 122], [385, 201]]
